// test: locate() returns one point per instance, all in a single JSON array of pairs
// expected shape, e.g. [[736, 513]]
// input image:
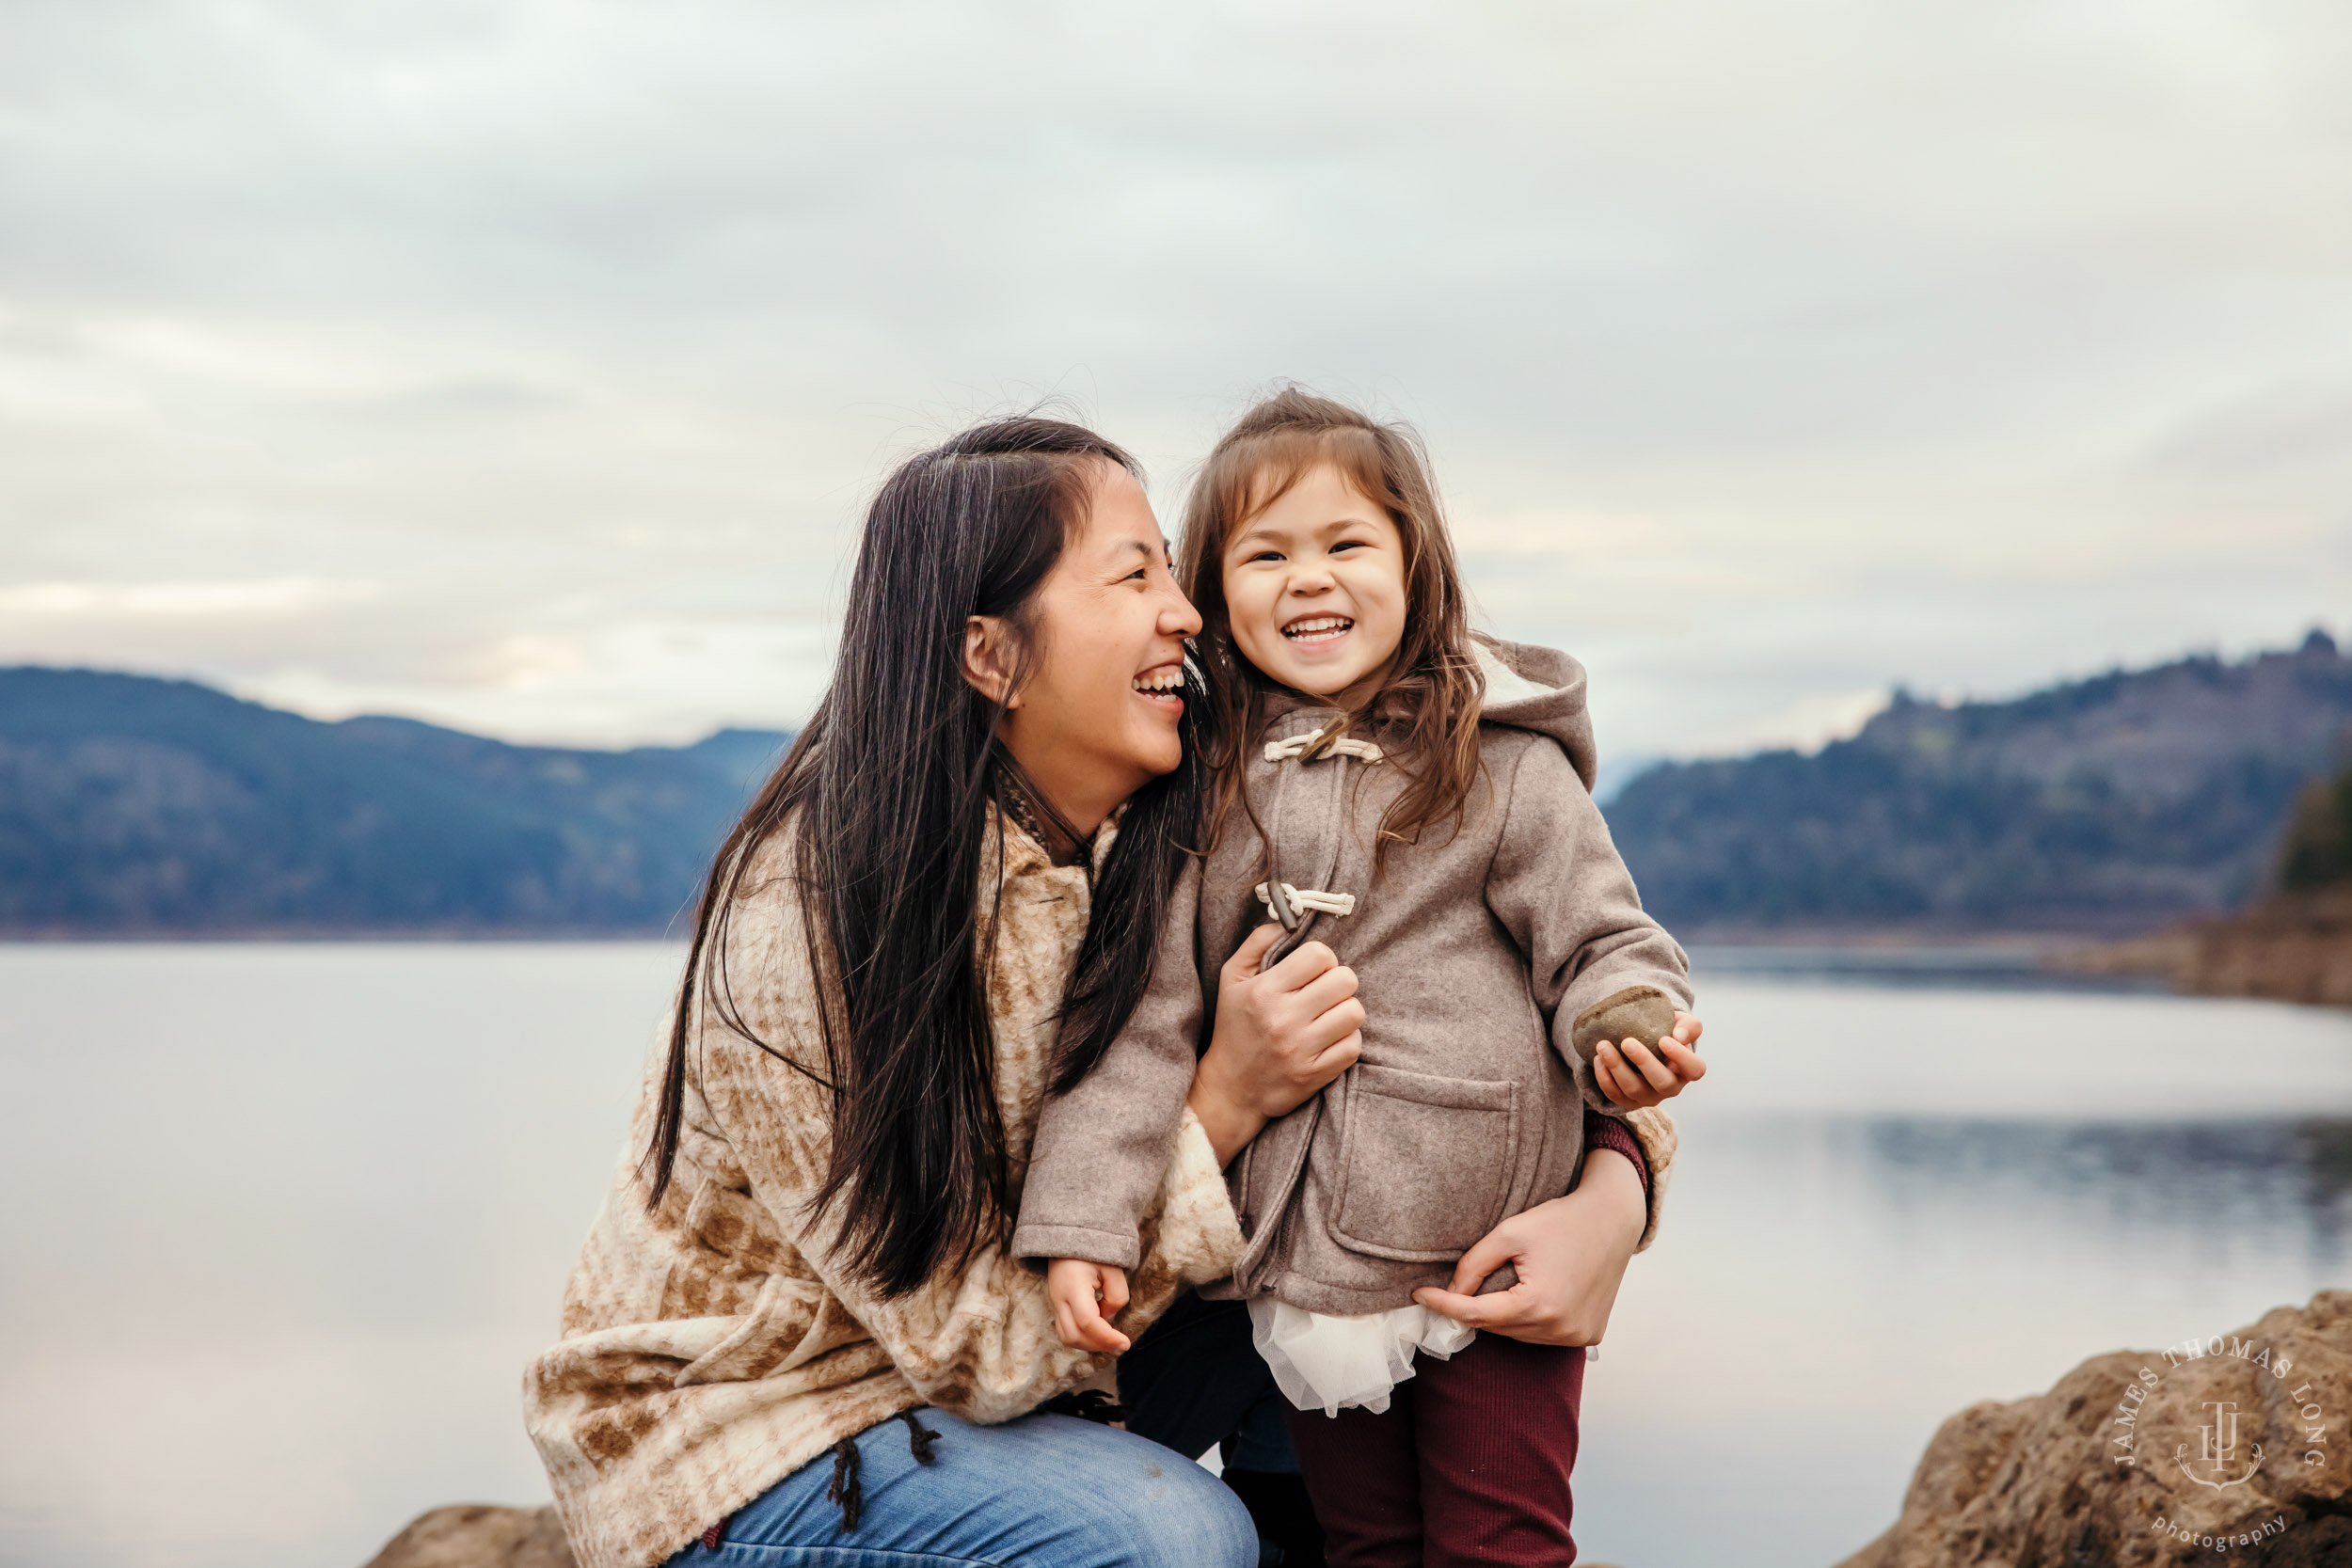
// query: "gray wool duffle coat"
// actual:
[[1474, 949]]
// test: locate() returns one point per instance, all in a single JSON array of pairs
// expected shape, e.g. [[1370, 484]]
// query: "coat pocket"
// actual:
[[1429, 1163]]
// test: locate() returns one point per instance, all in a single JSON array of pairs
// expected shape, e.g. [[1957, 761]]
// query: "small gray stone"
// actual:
[[1642, 1013]]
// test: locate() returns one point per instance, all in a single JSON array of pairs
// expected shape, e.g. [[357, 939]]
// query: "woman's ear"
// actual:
[[987, 659]]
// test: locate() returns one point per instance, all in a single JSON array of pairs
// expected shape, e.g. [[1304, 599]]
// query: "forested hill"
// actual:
[[133, 806], [2109, 804]]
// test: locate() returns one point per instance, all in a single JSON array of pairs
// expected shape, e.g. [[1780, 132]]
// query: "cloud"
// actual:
[[1769, 355], [177, 601], [1805, 725]]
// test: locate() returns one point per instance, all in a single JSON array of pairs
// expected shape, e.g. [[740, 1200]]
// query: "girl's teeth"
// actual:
[[1304, 630]]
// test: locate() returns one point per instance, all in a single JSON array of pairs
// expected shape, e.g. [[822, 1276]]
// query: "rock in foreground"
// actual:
[[2044, 1480], [477, 1535], [2240, 1440]]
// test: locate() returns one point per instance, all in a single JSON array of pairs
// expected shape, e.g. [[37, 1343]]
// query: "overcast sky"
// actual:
[[525, 365]]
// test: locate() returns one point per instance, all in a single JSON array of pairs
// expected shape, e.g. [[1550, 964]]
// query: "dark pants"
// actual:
[[1469, 1463], [1194, 1382]]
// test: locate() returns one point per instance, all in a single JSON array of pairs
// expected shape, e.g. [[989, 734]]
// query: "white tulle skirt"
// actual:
[[1332, 1364]]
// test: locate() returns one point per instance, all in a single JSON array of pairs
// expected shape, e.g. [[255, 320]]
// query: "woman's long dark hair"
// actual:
[[886, 794]]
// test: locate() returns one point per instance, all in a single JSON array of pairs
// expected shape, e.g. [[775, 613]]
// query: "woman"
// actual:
[[793, 1324]]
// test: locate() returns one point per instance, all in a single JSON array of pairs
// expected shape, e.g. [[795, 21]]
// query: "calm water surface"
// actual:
[[285, 1222]]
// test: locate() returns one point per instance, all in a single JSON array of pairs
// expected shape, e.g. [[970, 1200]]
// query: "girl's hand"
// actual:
[[1280, 1038], [1086, 1296], [1570, 1255], [1638, 1076]]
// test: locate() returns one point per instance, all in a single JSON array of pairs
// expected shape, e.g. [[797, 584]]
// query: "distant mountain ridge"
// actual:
[[133, 806], [137, 806], [2110, 804]]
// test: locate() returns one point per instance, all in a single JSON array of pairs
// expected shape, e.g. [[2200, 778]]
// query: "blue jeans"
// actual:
[[1048, 1491]]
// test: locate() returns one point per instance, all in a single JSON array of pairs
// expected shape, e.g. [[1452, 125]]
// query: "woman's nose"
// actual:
[[1177, 618]]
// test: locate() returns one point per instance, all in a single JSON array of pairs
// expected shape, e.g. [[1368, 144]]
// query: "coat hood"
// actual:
[[1542, 689]]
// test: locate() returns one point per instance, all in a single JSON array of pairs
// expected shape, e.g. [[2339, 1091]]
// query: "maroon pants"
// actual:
[[1469, 1463]]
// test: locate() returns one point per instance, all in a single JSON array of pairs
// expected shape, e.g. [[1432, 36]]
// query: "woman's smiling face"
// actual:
[[1314, 588], [1096, 717]]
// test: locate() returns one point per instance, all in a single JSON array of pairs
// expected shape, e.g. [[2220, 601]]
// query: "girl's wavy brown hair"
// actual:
[[1426, 715]]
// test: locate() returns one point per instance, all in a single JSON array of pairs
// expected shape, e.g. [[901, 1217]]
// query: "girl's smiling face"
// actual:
[[1314, 588]]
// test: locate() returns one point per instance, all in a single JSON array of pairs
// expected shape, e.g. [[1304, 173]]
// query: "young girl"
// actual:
[[1418, 799]]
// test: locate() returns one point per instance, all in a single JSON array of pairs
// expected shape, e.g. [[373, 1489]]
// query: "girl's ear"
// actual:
[[987, 659]]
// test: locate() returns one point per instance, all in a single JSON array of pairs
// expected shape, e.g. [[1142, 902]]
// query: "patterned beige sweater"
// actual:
[[711, 1347]]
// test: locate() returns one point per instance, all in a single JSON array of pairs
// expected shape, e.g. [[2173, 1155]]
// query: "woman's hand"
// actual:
[[1570, 1255], [1638, 1076], [1280, 1038]]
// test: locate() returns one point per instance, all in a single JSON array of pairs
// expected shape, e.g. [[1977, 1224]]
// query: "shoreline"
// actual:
[[2290, 948]]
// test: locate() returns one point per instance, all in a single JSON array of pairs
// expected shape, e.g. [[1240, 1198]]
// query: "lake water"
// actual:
[[284, 1222]]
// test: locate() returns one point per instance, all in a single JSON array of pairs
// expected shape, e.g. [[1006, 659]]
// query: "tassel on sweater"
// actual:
[[1088, 1404], [919, 1437], [843, 1489], [846, 1488]]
